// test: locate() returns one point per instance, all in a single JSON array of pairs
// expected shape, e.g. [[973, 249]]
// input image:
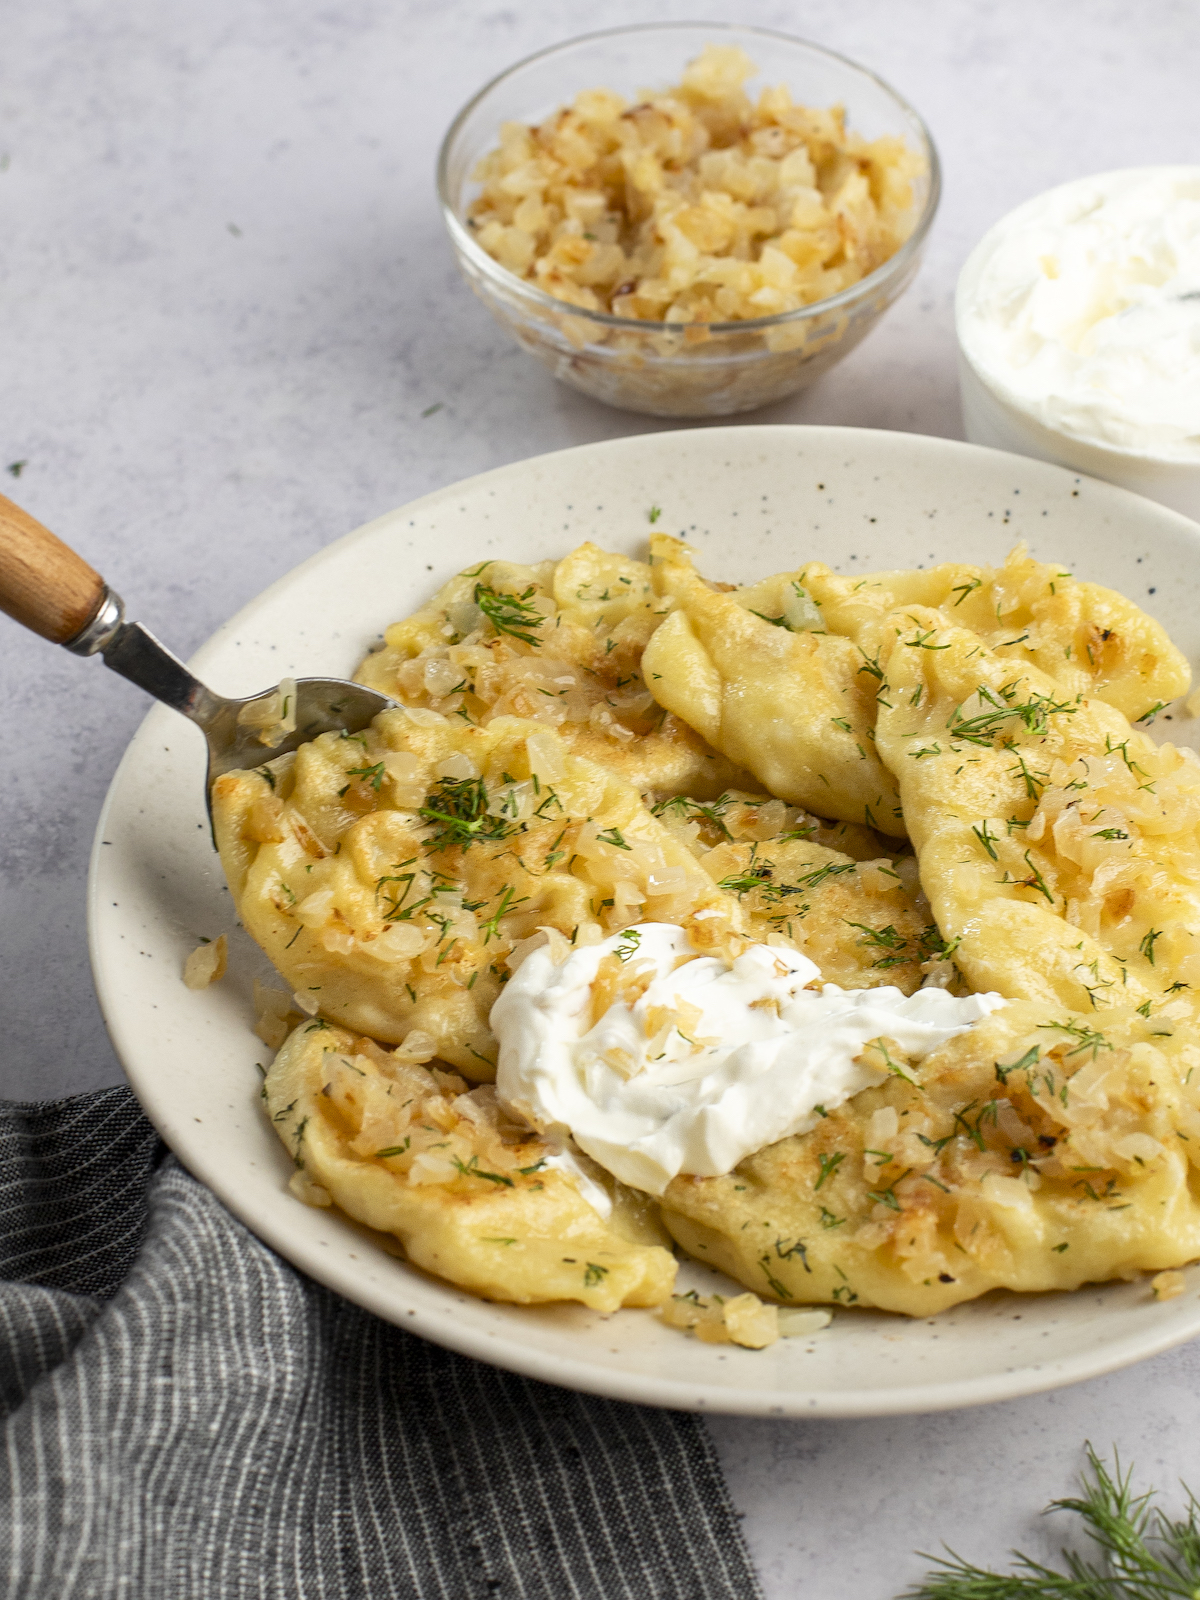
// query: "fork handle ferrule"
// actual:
[[100, 630]]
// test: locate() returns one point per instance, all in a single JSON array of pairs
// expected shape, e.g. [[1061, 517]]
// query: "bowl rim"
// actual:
[[893, 267]]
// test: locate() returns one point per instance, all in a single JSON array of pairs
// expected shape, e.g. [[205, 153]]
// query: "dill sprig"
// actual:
[[491, 928], [1003, 708], [760, 875], [1085, 1038], [369, 774], [887, 939], [460, 808], [510, 613], [689, 810], [756, 876], [1143, 1554], [810, 880], [472, 1169]]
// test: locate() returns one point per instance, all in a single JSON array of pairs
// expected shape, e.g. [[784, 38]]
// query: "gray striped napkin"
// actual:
[[188, 1417]]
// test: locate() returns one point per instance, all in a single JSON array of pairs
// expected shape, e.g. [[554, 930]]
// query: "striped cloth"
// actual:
[[186, 1416]]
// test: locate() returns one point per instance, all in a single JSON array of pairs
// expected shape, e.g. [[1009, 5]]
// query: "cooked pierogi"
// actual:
[[595, 743], [792, 704], [1041, 1150], [561, 643], [471, 1195], [1090, 640], [391, 875], [1059, 848]]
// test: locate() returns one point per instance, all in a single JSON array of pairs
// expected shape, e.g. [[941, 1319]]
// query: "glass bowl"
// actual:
[[672, 369]]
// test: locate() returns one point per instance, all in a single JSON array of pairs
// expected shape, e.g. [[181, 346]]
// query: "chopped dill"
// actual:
[[1085, 1038], [1003, 708], [460, 807], [828, 1166], [372, 775], [986, 838], [491, 928], [689, 810], [472, 1169], [1030, 1059], [777, 1288], [510, 613], [871, 664], [920, 641]]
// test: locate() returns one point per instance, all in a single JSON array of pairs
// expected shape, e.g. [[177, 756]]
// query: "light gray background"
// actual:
[[225, 303]]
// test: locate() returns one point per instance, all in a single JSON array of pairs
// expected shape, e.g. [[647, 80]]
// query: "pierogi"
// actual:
[[391, 875], [1060, 848], [560, 643], [1090, 640], [1041, 1150], [470, 1194], [776, 694], [914, 779]]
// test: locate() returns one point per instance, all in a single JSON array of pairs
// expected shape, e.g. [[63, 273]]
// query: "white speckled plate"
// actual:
[[753, 500]]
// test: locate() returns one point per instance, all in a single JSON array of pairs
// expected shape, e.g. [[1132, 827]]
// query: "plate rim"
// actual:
[[441, 1326]]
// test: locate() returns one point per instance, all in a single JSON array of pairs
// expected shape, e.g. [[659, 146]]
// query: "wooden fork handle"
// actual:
[[43, 584]]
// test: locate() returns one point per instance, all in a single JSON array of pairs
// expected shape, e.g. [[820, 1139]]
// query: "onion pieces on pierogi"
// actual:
[[912, 778]]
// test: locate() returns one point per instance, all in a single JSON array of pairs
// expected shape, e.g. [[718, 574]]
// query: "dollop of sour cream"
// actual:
[[751, 1053], [1082, 306]]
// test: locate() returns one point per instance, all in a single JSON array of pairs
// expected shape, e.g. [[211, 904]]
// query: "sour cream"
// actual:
[[1081, 309], [755, 1048]]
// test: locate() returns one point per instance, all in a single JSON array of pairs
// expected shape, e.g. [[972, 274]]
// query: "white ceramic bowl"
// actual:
[[753, 500], [995, 414]]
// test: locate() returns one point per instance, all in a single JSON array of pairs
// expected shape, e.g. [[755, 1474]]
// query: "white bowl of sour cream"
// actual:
[[1078, 321]]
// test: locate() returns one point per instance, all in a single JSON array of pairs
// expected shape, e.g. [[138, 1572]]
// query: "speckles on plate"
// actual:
[[710, 480]]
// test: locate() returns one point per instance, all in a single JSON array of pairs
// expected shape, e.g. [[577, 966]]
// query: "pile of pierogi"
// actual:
[[924, 778]]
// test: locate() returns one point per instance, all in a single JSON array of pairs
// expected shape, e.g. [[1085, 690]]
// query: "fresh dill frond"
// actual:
[[689, 810], [1003, 708], [828, 1166], [510, 613], [757, 876], [818, 875], [491, 928], [472, 1169], [1141, 1553], [1085, 1038], [369, 774], [460, 808]]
